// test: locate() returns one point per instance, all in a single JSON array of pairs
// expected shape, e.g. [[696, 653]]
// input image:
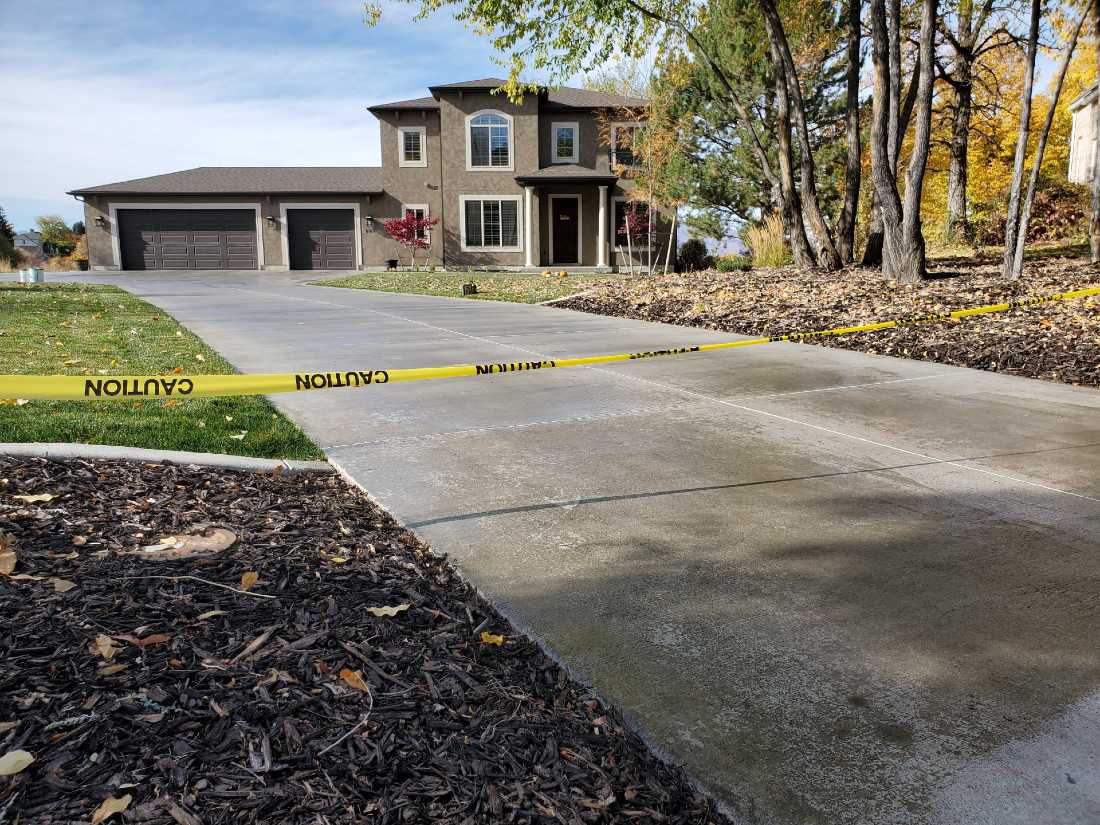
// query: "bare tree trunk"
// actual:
[[1094, 212], [895, 129], [792, 203], [1040, 150], [903, 241], [817, 230], [910, 264], [958, 222], [671, 240], [1012, 223], [872, 252], [846, 225]]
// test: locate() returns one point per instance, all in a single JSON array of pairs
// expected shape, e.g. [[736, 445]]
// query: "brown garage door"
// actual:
[[187, 238], [321, 238]]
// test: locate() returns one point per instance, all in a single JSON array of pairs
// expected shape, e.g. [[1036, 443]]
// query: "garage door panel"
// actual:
[[187, 238], [321, 238]]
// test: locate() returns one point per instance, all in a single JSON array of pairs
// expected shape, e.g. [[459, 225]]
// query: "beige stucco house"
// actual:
[[520, 186], [1082, 136]]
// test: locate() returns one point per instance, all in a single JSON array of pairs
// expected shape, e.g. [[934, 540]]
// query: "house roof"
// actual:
[[564, 97], [414, 104], [30, 235], [1084, 99], [569, 172], [239, 180]]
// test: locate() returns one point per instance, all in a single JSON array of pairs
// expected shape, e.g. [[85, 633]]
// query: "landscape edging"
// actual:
[[107, 452]]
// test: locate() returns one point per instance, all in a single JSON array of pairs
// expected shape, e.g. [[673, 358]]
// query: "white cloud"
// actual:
[[102, 101]]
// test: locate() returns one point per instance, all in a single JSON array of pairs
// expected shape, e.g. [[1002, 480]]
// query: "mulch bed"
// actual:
[[1058, 342], [279, 697]]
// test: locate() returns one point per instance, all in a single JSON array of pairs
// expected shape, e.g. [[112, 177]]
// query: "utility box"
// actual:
[[32, 275]]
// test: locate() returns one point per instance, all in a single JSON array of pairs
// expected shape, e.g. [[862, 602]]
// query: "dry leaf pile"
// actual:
[[1058, 341], [254, 681]]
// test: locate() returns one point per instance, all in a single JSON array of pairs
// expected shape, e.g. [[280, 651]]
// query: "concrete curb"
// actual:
[[105, 452]]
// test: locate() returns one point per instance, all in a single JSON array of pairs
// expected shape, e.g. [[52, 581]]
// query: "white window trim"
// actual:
[[511, 143], [423, 132], [576, 127], [405, 207], [580, 231], [628, 124], [490, 197], [113, 207], [614, 233], [284, 227]]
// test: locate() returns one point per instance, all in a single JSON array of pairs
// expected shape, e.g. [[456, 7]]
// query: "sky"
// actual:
[[105, 91]]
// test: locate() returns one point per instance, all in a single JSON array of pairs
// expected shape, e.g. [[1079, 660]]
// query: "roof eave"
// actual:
[[208, 193]]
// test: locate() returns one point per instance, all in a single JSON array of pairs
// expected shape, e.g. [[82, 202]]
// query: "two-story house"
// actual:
[[517, 186]]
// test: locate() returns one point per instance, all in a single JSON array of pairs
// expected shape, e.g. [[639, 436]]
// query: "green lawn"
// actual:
[[491, 286], [79, 329]]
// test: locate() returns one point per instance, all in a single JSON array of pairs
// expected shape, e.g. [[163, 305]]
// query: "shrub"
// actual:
[[767, 242], [80, 253], [1060, 210], [694, 257], [733, 263], [60, 263]]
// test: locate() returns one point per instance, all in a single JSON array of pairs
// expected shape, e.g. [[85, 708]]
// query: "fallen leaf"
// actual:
[[353, 678], [239, 436], [6, 726], [104, 646], [209, 614], [208, 542], [249, 579], [14, 402], [109, 807], [388, 611], [491, 638], [152, 639], [80, 541], [36, 498], [177, 370], [229, 418], [62, 585], [170, 402], [150, 717], [199, 356], [26, 577], [338, 560], [13, 762], [7, 562]]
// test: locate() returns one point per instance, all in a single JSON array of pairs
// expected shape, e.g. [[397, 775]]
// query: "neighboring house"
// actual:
[[29, 243], [522, 186], [1082, 136]]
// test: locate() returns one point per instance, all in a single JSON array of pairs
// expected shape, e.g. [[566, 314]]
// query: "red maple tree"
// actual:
[[411, 232]]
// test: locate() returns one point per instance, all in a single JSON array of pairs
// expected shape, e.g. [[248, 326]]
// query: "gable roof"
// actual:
[[1084, 99], [564, 97], [241, 180]]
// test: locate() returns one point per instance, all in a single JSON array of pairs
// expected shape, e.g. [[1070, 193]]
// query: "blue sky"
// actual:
[[116, 89]]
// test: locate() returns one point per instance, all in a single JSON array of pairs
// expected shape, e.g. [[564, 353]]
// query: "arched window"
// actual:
[[489, 141]]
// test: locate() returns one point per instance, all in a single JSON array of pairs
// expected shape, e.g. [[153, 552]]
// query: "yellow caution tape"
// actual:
[[88, 388]]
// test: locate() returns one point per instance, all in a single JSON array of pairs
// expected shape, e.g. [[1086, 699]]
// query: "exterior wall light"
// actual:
[[272, 222], [101, 222]]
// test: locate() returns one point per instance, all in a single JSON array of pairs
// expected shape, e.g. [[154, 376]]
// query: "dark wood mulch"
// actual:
[[1058, 342], [220, 706]]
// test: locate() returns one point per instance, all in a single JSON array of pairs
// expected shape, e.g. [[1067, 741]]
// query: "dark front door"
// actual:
[[187, 238], [566, 217], [321, 238]]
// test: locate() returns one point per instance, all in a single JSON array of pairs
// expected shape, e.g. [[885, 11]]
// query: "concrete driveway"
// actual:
[[841, 588]]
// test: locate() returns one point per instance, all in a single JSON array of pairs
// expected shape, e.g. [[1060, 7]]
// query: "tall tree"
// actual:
[[846, 223], [903, 240], [971, 30], [1094, 212], [1012, 222], [1017, 268]]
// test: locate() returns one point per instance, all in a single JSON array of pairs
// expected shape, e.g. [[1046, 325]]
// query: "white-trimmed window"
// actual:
[[420, 212], [491, 223], [489, 141], [619, 207], [564, 140], [624, 138], [412, 146]]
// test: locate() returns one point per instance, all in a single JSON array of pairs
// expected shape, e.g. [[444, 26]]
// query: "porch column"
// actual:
[[528, 228], [601, 231]]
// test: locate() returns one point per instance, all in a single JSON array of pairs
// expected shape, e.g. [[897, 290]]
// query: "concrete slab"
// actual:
[[841, 588]]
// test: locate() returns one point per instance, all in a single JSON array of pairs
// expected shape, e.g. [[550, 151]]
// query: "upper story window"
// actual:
[[564, 142], [624, 137], [489, 141], [412, 146]]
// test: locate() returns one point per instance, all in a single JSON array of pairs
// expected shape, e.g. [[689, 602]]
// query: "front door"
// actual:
[[565, 229]]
